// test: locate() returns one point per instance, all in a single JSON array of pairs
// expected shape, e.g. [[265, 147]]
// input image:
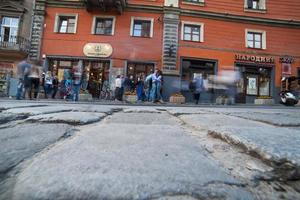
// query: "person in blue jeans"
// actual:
[[156, 86], [140, 88], [76, 82]]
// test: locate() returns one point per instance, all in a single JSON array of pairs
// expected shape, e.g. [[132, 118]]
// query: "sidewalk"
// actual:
[[165, 104]]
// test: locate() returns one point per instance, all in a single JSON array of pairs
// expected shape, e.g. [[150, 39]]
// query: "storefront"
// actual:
[[139, 69], [203, 67], [257, 77], [95, 72], [6, 71]]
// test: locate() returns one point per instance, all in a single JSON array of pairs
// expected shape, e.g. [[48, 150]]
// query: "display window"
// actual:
[[136, 70]]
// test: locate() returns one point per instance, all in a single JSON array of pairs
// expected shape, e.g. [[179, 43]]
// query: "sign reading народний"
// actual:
[[256, 59], [100, 50]]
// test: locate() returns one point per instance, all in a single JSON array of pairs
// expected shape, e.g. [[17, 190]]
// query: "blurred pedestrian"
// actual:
[[55, 86], [198, 87], [77, 75], [34, 79], [140, 88], [48, 84]]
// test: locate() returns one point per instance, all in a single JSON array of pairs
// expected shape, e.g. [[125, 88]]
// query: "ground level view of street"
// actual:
[[64, 150]]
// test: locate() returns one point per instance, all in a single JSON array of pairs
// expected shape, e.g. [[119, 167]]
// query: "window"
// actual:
[[255, 39], [66, 23], [103, 25], [9, 29], [255, 4], [192, 31], [194, 1], [141, 27]]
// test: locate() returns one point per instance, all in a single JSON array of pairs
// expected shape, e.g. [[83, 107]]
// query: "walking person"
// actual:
[[48, 84], [34, 79], [197, 87], [148, 87], [54, 86], [76, 82], [156, 86], [118, 90], [140, 88], [22, 67]]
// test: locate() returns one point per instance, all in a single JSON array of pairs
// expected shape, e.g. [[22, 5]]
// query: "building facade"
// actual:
[[258, 38], [15, 32]]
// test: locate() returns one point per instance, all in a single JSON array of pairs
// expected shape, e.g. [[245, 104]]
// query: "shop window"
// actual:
[[136, 69], [255, 4], [141, 27], [194, 1], [66, 23], [9, 29], [258, 82], [192, 31], [103, 25], [252, 85], [255, 39]]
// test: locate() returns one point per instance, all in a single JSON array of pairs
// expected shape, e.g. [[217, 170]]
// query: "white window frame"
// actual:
[[195, 24], [145, 19], [93, 30], [262, 5], [58, 15], [264, 37]]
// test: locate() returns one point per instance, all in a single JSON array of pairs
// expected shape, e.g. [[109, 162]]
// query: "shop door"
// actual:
[[96, 73], [241, 90]]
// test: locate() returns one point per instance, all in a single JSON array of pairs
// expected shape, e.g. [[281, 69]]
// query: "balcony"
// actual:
[[106, 5], [14, 45]]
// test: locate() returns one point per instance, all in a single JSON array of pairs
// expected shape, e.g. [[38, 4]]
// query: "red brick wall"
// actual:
[[288, 9], [124, 46], [222, 40]]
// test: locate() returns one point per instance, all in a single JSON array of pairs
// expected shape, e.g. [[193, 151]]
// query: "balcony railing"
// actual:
[[16, 43], [106, 4]]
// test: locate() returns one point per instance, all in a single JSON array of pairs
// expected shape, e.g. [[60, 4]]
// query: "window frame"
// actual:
[[58, 22], [263, 38], [93, 30], [10, 27], [151, 20], [261, 6], [201, 25]]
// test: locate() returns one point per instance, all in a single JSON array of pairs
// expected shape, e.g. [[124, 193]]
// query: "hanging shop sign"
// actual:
[[286, 59], [286, 65], [255, 59], [99, 50]]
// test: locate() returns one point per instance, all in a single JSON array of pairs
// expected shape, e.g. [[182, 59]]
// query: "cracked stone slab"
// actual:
[[23, 141], [119, 160], [275, 144], [7, 117], [188, 110], [94, 108], [38, 110], [142, 118], [141, 110], [278, 119], [9, 105], [74, 118]]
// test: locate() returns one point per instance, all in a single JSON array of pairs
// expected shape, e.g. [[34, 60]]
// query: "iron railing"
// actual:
[[17, 43]]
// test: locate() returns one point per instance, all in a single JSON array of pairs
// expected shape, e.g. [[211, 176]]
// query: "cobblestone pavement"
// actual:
[[82, 151]]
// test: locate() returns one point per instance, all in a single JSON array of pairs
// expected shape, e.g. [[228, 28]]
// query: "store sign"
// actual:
[[286, 69], [286, 59], [6, 65], [256, 59], [100, 50]]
